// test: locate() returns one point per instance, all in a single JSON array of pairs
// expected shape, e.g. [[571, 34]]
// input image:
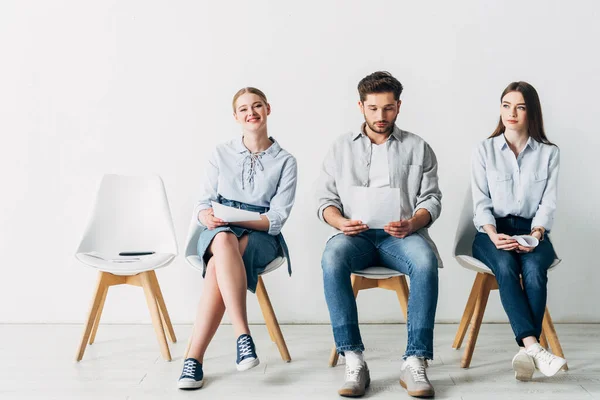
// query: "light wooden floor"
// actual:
[[36, 362]]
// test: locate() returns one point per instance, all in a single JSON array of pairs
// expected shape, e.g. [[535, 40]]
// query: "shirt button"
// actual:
[[365, 183]]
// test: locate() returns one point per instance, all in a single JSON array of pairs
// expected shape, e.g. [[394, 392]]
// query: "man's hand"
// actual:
[[400, 229], [208, 219], [352, 227]]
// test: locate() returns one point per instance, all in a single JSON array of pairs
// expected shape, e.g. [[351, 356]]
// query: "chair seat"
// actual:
[[475, 265], [147, 263], [378, 273], [198, 263]]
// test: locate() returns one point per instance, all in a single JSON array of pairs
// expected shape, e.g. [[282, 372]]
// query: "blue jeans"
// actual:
[[411, 256], [524, 305]]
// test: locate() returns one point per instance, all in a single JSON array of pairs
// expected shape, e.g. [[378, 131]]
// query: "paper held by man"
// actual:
[[375, 207]]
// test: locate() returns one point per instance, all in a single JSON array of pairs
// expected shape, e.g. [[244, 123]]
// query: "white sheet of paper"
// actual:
[[375, 207], [231, 214], [526, 240]]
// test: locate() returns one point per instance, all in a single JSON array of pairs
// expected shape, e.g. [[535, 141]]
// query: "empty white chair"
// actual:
[[377, 277], [131, 214], [192, 257], [485, 281]]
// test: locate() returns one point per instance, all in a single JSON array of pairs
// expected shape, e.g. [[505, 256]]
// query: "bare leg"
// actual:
[[209, 315], [231, 277]]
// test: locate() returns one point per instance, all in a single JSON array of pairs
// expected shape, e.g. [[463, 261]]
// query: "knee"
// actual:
[[223, 241], [506, 271], [425, 265], [333, 262], [535, 278]]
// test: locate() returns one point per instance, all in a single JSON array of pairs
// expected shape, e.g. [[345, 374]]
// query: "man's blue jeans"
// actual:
[[524, 305], [411, 256]]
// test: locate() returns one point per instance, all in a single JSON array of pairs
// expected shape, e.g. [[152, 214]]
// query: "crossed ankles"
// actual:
[[192, 376]]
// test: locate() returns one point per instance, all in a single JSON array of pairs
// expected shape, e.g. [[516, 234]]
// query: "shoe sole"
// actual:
[[190, 385], [417, 393], [524, 369], [355, 394], [248, 365]]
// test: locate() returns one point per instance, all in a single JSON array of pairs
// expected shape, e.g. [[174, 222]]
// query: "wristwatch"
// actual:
[[540, 230]]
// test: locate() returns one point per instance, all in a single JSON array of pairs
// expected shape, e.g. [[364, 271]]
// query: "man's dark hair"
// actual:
[[379, 82]]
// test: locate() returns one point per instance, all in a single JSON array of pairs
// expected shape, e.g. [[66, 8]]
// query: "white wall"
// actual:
[[88, 88]]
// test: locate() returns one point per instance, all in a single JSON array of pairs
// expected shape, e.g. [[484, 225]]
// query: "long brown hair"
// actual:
[[535, 122]]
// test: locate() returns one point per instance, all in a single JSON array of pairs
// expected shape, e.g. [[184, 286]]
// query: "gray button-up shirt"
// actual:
[[503, 184], [267, 179], [412, 167]]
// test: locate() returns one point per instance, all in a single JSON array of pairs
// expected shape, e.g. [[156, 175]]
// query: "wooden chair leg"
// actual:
[[480, 304], [356, 285], [402, 294], [100, 287], [550, 332], [98, 315], [150, 293], [468, 313], [333, 357], [162, 307], [271, 319], [543, 340]]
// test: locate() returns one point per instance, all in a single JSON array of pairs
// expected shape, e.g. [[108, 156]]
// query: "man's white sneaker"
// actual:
[[414, 378], [356, 382], [546, 362], [523, 365]]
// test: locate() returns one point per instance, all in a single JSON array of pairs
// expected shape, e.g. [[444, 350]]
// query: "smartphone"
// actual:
[[136, 253]]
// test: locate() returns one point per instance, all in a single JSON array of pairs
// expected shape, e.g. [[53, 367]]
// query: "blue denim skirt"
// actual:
[[262, 248]]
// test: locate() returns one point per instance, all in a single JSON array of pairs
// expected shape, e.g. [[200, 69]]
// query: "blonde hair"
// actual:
[[249, 89]]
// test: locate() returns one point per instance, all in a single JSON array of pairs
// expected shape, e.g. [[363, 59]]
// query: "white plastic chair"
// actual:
[[192, 257], [485, 281], [131, 214], [377, 277]]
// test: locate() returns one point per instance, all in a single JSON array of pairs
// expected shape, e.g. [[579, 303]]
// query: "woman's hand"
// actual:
[[208, 219], [504, 242], [523, 249]]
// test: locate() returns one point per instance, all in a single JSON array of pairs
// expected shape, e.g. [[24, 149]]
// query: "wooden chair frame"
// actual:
[[154, 298], [473, 316], [395, 283]]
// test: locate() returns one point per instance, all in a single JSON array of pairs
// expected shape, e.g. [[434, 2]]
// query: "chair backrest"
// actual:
[[131, 213], [465, 231], [191, 243]]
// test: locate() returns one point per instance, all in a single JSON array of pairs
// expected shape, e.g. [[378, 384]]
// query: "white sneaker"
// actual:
[[546, 362], [414, 378], [356, 382], [523, 365]]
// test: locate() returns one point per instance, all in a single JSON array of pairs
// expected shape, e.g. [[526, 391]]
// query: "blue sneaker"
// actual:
[[246, 353], [192, 375]]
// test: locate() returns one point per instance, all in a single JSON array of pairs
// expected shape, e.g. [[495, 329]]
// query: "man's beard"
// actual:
[[377, 130]]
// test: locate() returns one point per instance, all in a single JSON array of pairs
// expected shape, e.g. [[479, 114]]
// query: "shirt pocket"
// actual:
[[536, 186], [500, 185], [409, 180]]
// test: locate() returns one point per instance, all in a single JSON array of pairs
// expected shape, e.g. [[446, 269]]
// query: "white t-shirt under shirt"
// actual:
[[379, 173]]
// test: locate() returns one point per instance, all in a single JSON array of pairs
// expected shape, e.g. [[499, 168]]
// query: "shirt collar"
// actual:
[[500, 141], [273, 150], [396, 133]]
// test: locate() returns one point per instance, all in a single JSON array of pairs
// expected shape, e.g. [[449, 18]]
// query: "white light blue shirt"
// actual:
[[524, 186], [266, 179]]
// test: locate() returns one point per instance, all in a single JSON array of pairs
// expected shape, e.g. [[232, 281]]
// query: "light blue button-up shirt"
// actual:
[[266, 179], [525, 186]]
